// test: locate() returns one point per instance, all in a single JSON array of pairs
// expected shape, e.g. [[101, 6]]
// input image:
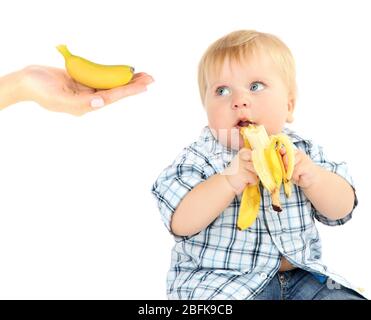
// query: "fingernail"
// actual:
[[97, 103]]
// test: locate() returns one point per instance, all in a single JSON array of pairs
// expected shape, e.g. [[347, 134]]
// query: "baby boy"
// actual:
[[248, 77]]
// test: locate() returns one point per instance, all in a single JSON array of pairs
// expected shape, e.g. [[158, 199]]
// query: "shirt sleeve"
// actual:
[[173, 184], [340, 168]]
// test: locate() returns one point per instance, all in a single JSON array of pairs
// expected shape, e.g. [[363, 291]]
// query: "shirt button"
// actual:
[[263, 275]]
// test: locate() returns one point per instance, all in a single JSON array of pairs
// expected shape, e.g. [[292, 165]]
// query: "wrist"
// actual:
[[10, 89], [14, 86], [22, 77], [234, 184]]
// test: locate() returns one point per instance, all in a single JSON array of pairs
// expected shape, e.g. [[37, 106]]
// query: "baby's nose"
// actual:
[[240, 100], [239, 105]]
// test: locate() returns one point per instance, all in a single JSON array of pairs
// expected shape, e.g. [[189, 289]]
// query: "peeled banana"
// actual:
[[249, 208], [93, 75], [269, 166], [250, 203]]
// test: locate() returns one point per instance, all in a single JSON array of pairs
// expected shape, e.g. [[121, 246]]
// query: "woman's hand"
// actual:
[[55, 90]]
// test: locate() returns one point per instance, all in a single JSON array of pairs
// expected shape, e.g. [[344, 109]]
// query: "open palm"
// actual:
[[55, 90]]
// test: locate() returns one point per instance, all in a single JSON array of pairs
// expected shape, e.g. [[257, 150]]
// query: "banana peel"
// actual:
[[270, 168]]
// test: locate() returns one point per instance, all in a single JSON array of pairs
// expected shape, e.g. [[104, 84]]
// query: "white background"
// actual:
[[77, 218]]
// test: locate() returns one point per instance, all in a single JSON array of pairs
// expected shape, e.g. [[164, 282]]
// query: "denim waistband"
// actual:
[[290, 273]]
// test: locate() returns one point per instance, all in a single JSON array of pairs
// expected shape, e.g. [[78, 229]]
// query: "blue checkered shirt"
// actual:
[[221, 262]]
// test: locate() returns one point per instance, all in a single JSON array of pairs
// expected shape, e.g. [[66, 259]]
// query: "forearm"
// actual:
[[10, 89], [202, 205], [331, 195]]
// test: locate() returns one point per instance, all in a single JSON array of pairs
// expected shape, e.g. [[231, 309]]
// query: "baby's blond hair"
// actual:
[[237, 46]]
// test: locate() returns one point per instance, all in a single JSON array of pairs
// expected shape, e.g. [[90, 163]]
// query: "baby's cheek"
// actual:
[[274, 122]]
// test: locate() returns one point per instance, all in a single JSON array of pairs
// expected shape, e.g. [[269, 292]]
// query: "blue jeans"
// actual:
[[298, 284]]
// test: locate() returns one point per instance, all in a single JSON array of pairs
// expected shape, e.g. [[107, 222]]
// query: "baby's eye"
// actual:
[[257, 86], [223, 91]]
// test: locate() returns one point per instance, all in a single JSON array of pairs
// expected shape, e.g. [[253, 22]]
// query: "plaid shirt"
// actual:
[[221, 262]]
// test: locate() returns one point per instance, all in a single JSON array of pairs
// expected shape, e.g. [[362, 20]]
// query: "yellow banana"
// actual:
[[285, 141], [274, 161], [250, 203], [249, 208], [259, 142], [262, 168], [97, 76], [286, 182], [269, 166]]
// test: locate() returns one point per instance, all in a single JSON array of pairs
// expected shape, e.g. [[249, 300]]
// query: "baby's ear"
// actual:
[[290, 107]]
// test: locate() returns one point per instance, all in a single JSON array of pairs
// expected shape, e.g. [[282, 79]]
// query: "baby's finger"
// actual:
[[282, 151], [296, 177], [250, 167], [285, 160], [298, 156], [245, 154], [252, 179]]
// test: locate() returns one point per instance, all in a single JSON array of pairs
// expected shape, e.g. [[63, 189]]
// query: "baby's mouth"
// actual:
[[244, 123]]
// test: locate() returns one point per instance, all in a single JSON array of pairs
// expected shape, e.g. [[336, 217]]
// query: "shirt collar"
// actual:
[[215, 147], [294, 137], [212, 144]]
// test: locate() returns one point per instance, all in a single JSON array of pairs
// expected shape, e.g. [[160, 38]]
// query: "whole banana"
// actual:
[[269, 166], [94, 75]]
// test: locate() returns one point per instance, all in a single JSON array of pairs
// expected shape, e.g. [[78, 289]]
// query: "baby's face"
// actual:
[[246, 92]]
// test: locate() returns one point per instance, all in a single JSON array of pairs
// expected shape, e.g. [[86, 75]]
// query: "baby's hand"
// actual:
[[306, 171], [240, 172]]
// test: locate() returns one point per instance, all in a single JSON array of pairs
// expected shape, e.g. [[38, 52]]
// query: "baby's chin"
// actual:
[[236, 140], [237, 145]]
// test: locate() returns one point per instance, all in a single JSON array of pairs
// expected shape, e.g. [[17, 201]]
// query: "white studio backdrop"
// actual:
[[77, 218]]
